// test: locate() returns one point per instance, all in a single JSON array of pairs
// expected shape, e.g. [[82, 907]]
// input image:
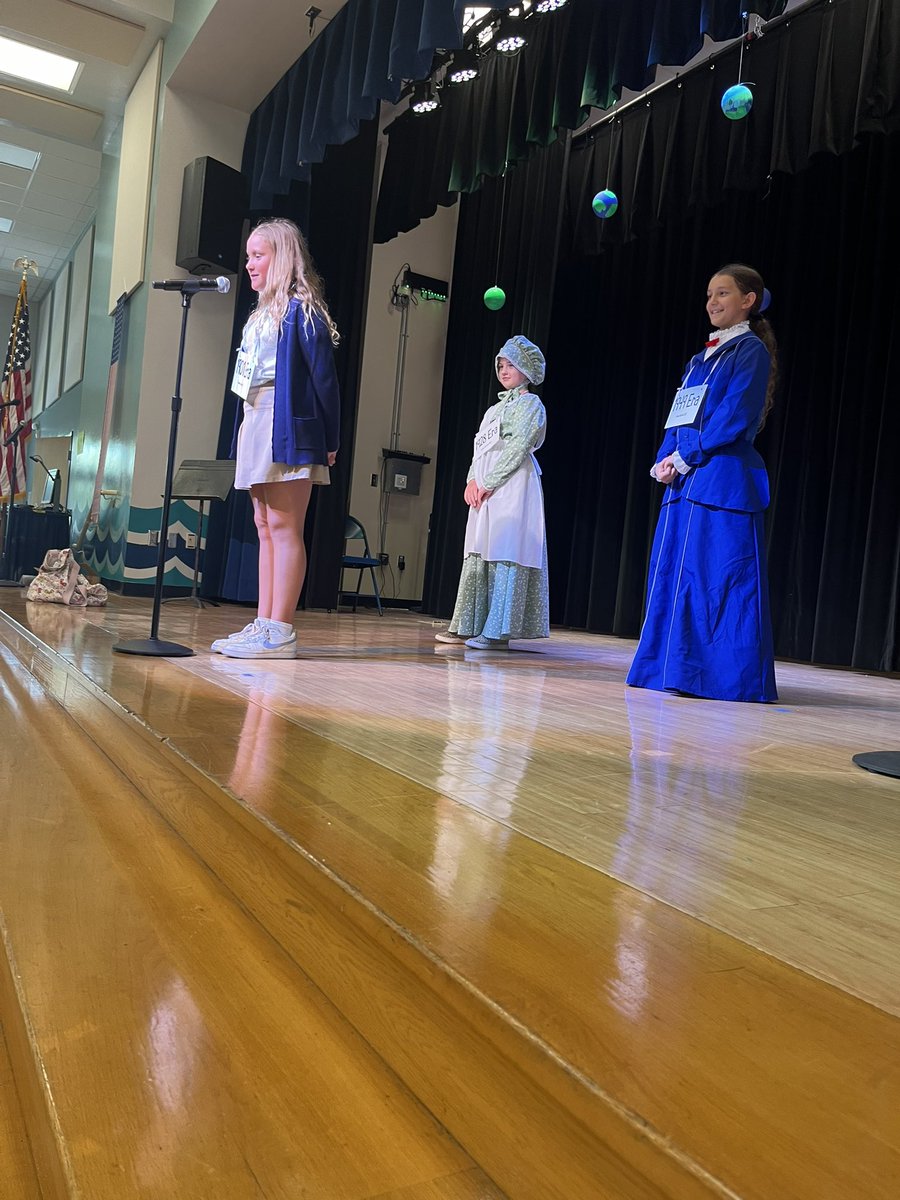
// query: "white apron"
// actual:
[[509, 526]]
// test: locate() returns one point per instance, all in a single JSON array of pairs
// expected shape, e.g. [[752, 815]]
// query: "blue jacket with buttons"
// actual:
[[726, 470], [307, 416]]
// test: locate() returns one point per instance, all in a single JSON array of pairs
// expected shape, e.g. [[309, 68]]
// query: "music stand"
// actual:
[[201, 479]]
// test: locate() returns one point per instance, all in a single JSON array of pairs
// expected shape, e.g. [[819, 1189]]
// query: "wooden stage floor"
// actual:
[[694, 904]]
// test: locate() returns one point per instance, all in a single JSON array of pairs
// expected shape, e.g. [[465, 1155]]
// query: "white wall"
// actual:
[[429, 251], [192, 127]]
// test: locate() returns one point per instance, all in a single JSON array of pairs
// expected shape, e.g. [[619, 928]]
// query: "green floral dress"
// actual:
[[500, 598]]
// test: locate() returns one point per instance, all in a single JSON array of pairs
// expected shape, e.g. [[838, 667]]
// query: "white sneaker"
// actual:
[[220, 643], [485, 643], [262, 644]]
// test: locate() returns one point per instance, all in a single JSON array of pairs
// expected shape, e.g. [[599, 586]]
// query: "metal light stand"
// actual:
[[154, 645]]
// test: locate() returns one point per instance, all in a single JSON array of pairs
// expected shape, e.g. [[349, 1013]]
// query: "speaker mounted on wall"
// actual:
[[213, 206]]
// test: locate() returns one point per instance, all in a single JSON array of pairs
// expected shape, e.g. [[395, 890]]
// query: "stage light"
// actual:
[[548, 6], [510, 36], [464, 67], [424, 98]]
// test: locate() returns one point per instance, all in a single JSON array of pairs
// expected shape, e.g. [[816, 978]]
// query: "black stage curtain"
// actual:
[[822, 79], [529, 214], [334, 213], [624, 325], [577, 58]]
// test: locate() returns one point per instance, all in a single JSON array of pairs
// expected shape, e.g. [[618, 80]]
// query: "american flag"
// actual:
[[17, 387]]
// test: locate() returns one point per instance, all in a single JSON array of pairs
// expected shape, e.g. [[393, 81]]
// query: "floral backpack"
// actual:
[[59, 581]]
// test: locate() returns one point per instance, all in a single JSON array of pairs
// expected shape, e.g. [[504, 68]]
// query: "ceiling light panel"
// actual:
[[18, 156], [21, 61]]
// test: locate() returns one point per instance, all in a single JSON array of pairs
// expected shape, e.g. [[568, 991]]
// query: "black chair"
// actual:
[[354, 532]]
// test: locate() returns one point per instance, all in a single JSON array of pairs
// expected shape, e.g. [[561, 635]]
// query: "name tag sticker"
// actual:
[[685, 406], [243, 373], [487, 439]]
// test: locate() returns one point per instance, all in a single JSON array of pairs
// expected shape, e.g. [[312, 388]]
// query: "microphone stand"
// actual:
[[154, 645]]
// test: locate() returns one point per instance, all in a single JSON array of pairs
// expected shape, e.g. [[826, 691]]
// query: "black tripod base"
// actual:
[[155, 647], [882, 762]]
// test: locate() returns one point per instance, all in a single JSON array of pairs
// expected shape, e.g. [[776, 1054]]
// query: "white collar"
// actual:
[[720, 336]]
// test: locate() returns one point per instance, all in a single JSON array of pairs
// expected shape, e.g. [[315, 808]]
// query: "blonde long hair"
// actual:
[[291, 274]]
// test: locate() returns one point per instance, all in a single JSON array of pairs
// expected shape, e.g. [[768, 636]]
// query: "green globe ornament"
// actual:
[[494, 298], [605, 203], [737, 102]]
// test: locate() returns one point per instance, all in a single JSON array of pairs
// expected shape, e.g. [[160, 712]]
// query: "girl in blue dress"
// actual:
[[708, 630]]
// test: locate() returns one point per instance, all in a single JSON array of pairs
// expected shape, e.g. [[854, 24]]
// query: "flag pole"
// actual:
[[11, 371]]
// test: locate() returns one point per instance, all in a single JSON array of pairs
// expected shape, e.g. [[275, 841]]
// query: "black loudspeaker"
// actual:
[[213, 206]]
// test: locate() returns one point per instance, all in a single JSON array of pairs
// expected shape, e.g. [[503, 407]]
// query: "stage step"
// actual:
[[164, 1047], [579, 1039], [533, 1121], [19, 1178]]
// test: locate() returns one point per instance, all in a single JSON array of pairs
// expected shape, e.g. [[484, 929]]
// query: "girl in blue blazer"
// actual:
[[708, 630], [286, 436]]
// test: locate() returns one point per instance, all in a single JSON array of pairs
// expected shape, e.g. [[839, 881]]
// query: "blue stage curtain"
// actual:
[[364, 55]]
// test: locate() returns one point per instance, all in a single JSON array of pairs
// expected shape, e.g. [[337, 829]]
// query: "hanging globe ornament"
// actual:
[[494, 298], [737, 102], [605, 203]]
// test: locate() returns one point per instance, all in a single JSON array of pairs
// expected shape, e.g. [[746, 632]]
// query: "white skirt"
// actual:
[[254, 446]]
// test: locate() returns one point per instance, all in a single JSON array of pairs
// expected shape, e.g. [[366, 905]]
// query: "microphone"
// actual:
[[8, 441], [193, 284], [37, 458]]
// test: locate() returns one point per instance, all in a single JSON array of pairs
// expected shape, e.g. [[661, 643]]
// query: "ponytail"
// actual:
[[749, 280], [763, 330]]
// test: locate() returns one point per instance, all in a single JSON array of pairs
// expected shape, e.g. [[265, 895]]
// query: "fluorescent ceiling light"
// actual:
[[5, 224], [37, 66], [18, 156]]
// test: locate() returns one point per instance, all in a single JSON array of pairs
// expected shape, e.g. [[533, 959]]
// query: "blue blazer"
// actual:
[[307, 418], [727, 472]]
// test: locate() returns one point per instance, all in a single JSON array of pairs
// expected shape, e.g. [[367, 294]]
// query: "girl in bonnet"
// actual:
[[503, 590]]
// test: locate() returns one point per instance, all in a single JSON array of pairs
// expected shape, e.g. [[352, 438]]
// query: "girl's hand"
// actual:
[[666, 470], [483, 494], [471, 494], [332, 457]]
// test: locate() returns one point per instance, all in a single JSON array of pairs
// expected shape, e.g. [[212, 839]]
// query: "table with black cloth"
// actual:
[[31, 533]]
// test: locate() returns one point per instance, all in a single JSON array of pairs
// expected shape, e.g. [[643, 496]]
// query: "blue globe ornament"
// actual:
[[494, 298], [605, 203], [737, 102]]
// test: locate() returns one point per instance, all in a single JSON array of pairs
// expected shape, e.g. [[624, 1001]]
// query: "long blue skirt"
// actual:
[[708, 628]]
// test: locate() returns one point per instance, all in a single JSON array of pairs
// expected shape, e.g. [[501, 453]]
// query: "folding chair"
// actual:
[[354, 532]]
